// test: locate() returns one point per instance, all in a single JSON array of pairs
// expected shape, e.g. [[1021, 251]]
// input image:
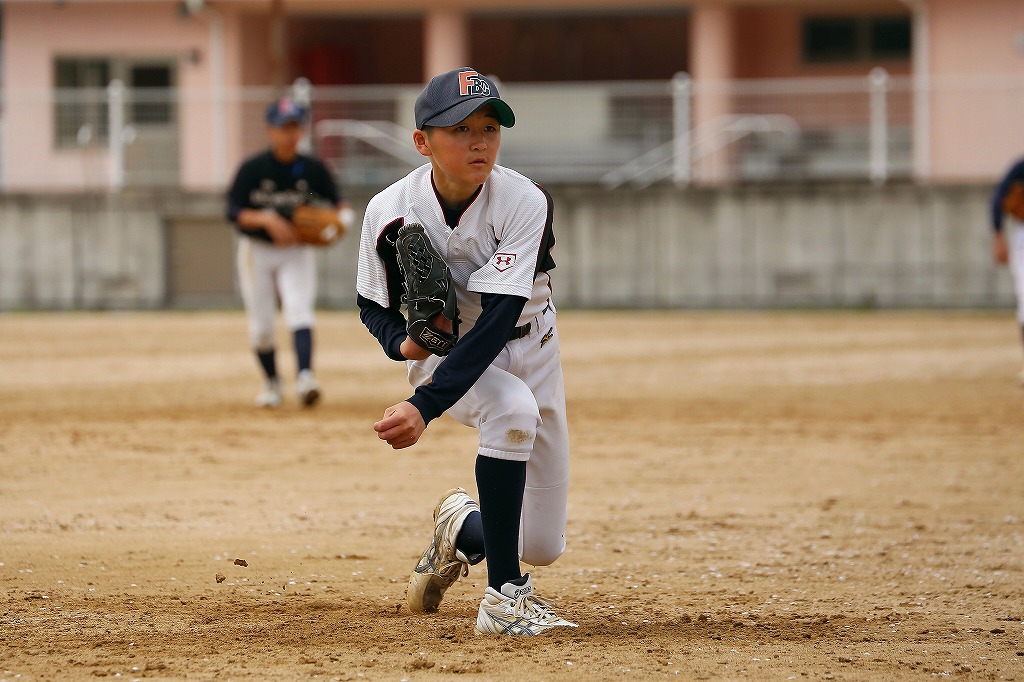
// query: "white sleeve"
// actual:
[[512, 268], [371, 277]]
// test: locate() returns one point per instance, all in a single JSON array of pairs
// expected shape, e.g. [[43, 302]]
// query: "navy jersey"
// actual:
[[264, 182]]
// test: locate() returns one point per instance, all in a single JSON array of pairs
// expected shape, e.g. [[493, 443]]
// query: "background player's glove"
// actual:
[[1013, 202], [429, 291], [319, 225]]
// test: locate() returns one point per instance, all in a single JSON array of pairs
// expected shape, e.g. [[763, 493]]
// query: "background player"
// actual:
[[1010, 250], [504, 376], [272, 265]]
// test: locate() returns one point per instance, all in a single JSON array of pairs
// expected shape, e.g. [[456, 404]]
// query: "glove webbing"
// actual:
[[421, 267]]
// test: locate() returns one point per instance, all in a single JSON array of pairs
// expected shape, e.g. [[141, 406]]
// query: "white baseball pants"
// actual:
[[518, 406], [268, 274]]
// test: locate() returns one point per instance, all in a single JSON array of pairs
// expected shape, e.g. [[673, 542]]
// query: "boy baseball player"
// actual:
[[1008, 249], [493, 228], [272, 264]]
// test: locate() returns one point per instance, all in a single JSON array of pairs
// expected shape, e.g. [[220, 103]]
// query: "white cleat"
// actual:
[[516, 610], [307, 388], [441, 564], [270, 396]]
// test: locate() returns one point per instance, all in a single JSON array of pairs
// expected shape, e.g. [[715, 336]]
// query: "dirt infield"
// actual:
[[754, 496]]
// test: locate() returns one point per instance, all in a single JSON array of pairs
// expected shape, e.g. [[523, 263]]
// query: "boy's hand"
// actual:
[[401, 426], [1000, 250], [413, 351], [279, 229]]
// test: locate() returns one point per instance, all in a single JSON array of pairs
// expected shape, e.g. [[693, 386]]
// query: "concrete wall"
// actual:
[[766, 246], [779, 246]]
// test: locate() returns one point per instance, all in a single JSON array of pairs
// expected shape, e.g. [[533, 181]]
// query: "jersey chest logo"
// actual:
[[503, 261]]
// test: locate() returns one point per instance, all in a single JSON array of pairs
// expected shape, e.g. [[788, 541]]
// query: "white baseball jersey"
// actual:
[[500, 245]]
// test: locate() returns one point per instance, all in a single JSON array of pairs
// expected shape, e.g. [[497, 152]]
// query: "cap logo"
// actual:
[[286, 107], [470, 83]]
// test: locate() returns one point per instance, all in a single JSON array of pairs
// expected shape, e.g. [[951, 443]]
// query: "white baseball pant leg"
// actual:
[[259, 293], [518, 406], [267, 274], [296, 282]]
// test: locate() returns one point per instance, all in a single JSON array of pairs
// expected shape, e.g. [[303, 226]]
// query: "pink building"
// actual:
[[960, 66]]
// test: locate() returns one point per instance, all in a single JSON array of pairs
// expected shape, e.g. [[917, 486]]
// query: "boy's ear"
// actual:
[[422, 142]]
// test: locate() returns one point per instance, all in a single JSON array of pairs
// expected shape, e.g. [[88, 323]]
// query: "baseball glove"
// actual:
[[318, 225], [429, 292], [1013, 202]]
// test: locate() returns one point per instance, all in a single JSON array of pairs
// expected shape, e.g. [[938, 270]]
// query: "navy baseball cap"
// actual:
[[452, 96], [285, 110]]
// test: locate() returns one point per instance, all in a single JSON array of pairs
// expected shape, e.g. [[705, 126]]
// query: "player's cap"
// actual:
[[285, 110], [451, 97]]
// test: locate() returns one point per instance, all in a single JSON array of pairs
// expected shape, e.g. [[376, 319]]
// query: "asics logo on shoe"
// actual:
[[515, 627], [522, 592]]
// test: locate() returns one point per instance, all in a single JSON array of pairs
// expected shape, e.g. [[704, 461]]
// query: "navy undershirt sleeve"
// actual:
[[1016, 173], [471, 356], [387, 324]]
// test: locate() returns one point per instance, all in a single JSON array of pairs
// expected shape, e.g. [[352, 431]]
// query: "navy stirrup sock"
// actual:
[[303, 340], [470, 540], [266, 358], [501, 484]]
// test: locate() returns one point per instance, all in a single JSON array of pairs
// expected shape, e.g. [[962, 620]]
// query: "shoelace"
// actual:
[[534, 607]]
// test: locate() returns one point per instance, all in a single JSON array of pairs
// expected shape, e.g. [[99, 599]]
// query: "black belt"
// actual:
[[520, 332]]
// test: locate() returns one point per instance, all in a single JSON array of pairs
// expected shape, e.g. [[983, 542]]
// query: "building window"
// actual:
[[834, 39], [81, 104], [152, 104], [81, 97]]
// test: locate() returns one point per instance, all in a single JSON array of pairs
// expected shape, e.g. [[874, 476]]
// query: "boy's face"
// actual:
[[462, 155], [284, 140]]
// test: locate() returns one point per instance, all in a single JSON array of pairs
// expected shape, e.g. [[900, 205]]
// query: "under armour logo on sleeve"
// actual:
[[503, 261]]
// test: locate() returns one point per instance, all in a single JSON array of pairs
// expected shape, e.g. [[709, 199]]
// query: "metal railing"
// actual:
[[674, 159], [610, 133]]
